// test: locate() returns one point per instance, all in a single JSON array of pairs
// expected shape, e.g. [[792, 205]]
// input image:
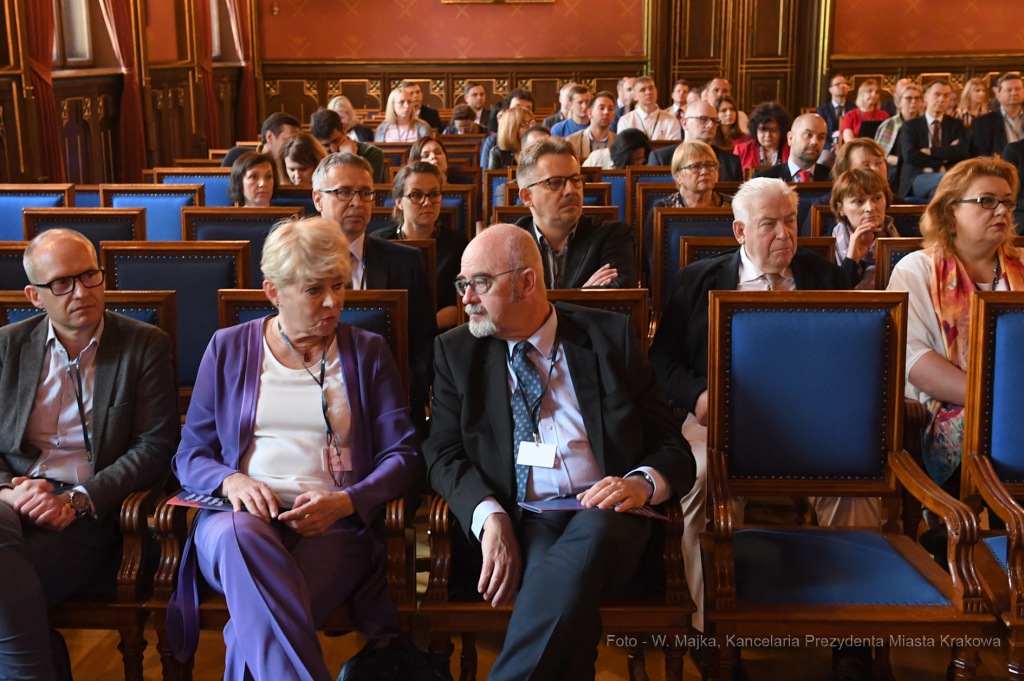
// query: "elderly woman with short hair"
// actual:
[[302, 412]]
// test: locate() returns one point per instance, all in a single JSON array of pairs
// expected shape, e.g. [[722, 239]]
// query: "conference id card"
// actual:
[[536, 454]]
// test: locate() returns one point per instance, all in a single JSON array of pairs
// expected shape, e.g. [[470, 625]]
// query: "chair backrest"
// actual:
[[380, 218], [510, 214], [163, 204], [641, 174], [463, 156], [214, 179], [196, 271], [781, 418], [16, 197], [670, 224], [494, 189], [471, 175], [218, 154], [906, 220], [694, 248], [295, 196], [617, 179], [395, 153], [749, 172], [87, 196], [12, 268], [646, 194], [196, 163], [807, 193], [235, 224], [383, 312], [97, 224], [461, 196]]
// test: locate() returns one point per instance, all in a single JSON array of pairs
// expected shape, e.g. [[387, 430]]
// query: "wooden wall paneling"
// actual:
[[175, 122], [226, 80], [299, 97], [11, 165], [88, 116], [696, 43], [766, 57]]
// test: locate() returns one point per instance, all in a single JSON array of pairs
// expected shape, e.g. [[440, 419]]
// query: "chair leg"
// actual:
[[965, 663], [1016, 653], [468, 659], [133, 645], [172, 669], [722, 670], [674, 656], [441, 648], [636, 663], [882, 668]]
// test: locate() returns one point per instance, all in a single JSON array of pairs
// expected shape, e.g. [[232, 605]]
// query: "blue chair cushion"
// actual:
[[677, 227], [95, 228], [304, 202], [618, 183], [216, 194], [804, 203], [376, 319], [146, 315], [19, 314], [230, 229], [826, 567], [163, 212], [11, 223], [12, 273], [794, 413], [998, 547], [1007, 427], [87, 198]]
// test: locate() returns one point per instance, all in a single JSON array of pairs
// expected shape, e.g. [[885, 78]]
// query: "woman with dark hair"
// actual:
[[859, 200], [253, 181], [729, 133], [300, 155], [630, 148], [431, 150], [769, 125]]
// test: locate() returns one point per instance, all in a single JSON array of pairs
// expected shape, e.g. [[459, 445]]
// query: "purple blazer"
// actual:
[[219, 429]]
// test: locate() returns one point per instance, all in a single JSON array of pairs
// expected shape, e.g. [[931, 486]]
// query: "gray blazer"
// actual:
[[135, 406]]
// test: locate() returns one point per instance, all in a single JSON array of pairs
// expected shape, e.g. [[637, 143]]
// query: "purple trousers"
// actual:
[[280, 587]]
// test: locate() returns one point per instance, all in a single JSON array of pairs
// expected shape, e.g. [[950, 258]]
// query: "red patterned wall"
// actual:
[[885, 26], [429, 29]]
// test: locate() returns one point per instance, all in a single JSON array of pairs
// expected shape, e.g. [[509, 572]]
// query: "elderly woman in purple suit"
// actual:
[[295, 411]]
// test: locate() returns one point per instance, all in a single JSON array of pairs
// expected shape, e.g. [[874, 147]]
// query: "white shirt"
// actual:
[[289, 434], [658, 125], [55, 426], [561, 424], [355, 248], [752, 277]]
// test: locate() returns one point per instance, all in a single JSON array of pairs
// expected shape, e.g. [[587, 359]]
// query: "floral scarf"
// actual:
[[951, 289]]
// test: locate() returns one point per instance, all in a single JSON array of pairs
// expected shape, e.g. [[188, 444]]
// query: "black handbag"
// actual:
[[393, 660]]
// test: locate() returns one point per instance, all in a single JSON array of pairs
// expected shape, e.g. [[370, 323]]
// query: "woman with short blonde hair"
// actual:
[[357, 132], [513, 125]]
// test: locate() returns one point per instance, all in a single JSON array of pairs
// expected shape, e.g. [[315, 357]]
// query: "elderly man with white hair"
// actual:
[[767, 260]]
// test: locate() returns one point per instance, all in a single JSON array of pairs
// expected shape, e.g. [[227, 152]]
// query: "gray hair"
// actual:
[[336, 160], [305, 249], [756, 191], [529, 156], [43, 238]]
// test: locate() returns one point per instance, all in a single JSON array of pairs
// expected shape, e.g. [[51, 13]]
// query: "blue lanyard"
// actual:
[[320, 383]]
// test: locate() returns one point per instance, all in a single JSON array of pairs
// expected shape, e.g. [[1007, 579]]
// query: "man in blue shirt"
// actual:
[[579, 108]]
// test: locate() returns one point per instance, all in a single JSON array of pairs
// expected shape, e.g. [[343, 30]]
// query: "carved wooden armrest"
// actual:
[[132, 583], [677, 591], [724, 558], [402, 592], [171, 525], [961, 528], [914, 416], [440, 551]]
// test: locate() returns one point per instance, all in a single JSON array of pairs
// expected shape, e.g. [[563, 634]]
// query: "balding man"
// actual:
[[699, 125], [90, 415], [806, 139], [535, 402]]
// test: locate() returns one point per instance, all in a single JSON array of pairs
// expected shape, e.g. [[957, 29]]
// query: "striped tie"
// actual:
[[525, 397], [773, 281]]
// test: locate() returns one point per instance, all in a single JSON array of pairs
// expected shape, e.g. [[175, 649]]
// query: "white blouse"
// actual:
[[289, 434]]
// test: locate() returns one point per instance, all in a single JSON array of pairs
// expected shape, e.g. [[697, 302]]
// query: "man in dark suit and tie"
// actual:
[[476, 97], [90, 415], [992, 132], [930, 144], [578, 251], [700, 123], [834, 109], [533, 402], [343, 192], [806, 141]]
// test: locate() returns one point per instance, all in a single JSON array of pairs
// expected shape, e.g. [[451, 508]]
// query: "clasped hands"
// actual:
[[34, 499], [502, 562], [312, 513]]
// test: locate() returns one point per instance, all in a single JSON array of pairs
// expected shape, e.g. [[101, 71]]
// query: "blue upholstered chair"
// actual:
[[694, 248], [807, 194], [905, 219], [235, 224], [87, 196], [97, 224], [641, 175], [196, 271], [12, 269], [214, 179], [295, 196], [163, 204], [461, 197], [15, 197], [617, 179], [494, 189], [783, 421]]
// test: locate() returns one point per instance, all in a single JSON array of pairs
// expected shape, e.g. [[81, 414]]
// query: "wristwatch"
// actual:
[[79, 502], [650, 481]]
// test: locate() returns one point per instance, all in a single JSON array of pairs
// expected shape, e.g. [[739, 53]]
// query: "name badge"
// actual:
[[536, 454]]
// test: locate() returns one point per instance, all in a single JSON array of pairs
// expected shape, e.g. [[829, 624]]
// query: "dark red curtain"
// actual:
[[117, 16], [246, 114], [204, 45], [39, 18]]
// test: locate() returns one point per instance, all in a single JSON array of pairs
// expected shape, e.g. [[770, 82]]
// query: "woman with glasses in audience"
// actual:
[[868, 109], [431, 150], [968, 232], [253, 180], [631, 147], [357, 132], [511, 128], [859, 201], [729, 133], [418, 192], [400, 122], [300, 155], [695, 171], [301, 422], [973, 102], [769, 124]]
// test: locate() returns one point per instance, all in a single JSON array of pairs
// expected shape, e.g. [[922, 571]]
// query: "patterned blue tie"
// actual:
[[526, 395]]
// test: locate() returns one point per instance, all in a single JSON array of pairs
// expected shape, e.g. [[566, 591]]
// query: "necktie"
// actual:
[[773, 281], [839, 113], [679, 114], [803, 176], [525, 397], [936, 136]]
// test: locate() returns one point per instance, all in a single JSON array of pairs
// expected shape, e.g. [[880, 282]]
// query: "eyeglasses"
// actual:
[[697, 167], [557, 183], [65, 285], [346, 194], [704, 120], [418, 196], [481, 284], [991, 202]]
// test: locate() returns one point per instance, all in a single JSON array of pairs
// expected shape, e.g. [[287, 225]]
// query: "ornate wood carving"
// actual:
[[88, 109]]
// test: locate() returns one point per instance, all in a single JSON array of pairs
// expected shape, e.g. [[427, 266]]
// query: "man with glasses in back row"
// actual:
[[700, 122], [90, 416]]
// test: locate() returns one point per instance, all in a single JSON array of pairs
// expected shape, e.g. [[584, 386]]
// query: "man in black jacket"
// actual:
[[806, 141], [578, 251], [992, 132], [930, 144], [278, 127], [533, 402], [700, 123]]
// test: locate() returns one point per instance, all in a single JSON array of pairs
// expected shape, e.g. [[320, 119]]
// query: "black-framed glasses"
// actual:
[[697, 167], [557, 183], [346, 194], [417, 196], [991, 202], [481, 284], [704, 120], [65, 285]]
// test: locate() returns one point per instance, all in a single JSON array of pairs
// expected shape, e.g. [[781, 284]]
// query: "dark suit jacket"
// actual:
[[364, 133], [781, 172], [679, 352], [390, 265], [828, 112], [597, 243], [135, 424], [470, 450], [550, 121], [915, 136], [1014, 153], [430, 116], [731, 170], [988, 135]]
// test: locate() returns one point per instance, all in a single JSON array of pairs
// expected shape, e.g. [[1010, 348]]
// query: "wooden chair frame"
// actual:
[[30, 216], [160, 173], [189, 216], [690, 246], [886, 246], [820, 213], [488, 185], [633, 173], [197, 162], [68, 190], [107, 191], [509, 214]]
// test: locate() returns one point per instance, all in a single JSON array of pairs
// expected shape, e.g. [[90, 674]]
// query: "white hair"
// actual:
[[758, 190]]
